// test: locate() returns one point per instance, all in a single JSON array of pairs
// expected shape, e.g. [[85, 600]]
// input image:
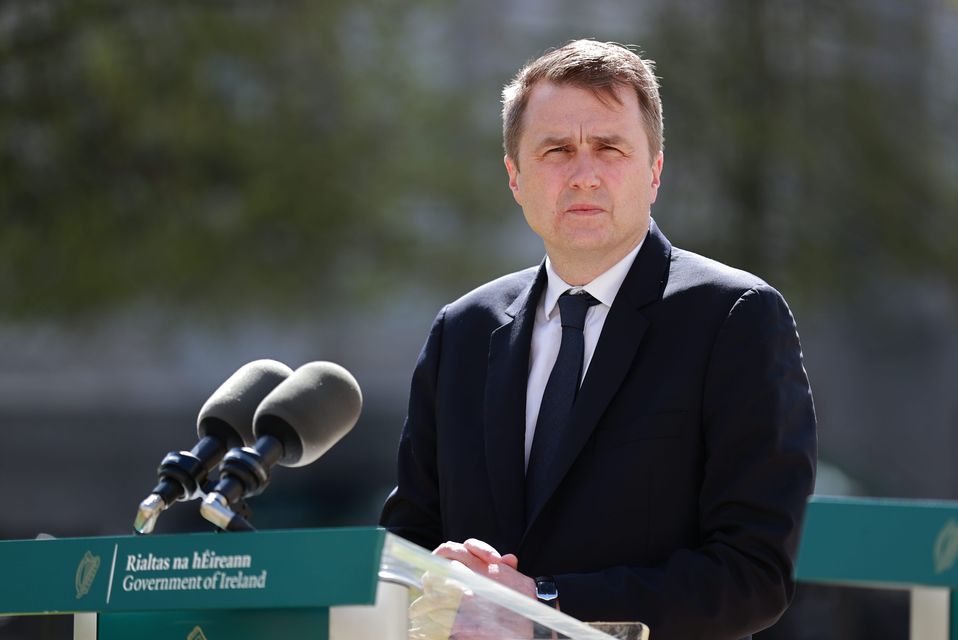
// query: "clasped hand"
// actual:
[[444, 611], [482, 558]]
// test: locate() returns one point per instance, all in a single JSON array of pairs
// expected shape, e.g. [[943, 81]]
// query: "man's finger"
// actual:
[[511, 560], [459, 553], [482, 550]]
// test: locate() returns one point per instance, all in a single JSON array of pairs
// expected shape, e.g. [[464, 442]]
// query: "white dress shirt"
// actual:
[[547, 331]]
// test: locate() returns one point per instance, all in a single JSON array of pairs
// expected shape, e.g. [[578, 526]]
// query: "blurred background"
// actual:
[[186, 186]]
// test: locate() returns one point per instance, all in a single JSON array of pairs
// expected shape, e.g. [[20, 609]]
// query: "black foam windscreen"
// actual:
[[310, 411], [228, 413]]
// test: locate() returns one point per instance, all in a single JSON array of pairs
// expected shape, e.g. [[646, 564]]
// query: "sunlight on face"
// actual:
[[586, 182]]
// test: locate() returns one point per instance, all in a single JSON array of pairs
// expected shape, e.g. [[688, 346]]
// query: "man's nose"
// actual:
[[584, 172]]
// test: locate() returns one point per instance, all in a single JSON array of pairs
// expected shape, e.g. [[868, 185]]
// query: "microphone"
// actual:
[[225, 421], [300, 420]]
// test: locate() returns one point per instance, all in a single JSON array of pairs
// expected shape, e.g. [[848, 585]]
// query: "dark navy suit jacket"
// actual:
[[679, 488]]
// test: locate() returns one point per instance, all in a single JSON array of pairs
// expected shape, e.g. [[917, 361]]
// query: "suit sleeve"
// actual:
[[758, 428], [412, 510]]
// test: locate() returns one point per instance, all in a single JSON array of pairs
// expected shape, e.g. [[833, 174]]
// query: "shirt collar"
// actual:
[[604, 288]]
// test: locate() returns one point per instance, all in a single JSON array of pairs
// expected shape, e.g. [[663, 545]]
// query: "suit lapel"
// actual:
[[621, 335], [505, 402]]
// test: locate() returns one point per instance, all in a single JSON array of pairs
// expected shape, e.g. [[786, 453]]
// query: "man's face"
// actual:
[[585, 180]]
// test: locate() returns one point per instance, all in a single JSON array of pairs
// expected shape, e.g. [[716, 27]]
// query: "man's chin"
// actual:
[[587, 241]]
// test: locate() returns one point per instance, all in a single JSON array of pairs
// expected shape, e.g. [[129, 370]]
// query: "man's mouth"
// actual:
[[584, 209]]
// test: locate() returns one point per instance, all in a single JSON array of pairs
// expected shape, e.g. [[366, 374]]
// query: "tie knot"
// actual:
[[573, 307]]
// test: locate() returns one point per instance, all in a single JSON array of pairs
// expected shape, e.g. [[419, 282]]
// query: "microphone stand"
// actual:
[[237, 517], [216, 511], [180, 475], [245, 472]]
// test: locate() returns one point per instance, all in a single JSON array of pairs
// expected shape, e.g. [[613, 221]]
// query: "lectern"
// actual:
[[321, 584], [880, 542]]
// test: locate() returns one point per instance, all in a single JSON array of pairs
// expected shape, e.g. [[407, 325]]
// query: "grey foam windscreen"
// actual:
[[228, 414], [310, 411]]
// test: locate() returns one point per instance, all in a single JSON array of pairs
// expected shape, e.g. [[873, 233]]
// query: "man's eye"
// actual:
[[608, 148], [558, 150]]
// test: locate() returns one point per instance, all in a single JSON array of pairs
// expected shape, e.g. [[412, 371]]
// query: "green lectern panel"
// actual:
[[269, 569], [886, 543], [872, 541], [216, 625]]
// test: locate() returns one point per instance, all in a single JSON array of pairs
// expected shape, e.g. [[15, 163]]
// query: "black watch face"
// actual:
[[546, 589]]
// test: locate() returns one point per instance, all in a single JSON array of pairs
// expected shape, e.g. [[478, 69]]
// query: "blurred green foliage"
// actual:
[[214, 155], [822, 136], [207, 153]]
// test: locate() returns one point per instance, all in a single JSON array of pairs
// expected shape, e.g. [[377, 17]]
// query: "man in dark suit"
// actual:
[[670, 486]]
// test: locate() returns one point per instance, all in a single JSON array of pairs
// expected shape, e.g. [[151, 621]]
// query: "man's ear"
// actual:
[[513, 170], [657, 175]]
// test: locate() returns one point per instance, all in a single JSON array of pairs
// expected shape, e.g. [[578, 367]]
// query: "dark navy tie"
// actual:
[[558, 397]]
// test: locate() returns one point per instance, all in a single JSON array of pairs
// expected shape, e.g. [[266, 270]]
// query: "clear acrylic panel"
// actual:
[[449, 602]]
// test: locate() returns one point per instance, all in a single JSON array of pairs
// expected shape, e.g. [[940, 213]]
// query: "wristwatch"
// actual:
[[547, 592]]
